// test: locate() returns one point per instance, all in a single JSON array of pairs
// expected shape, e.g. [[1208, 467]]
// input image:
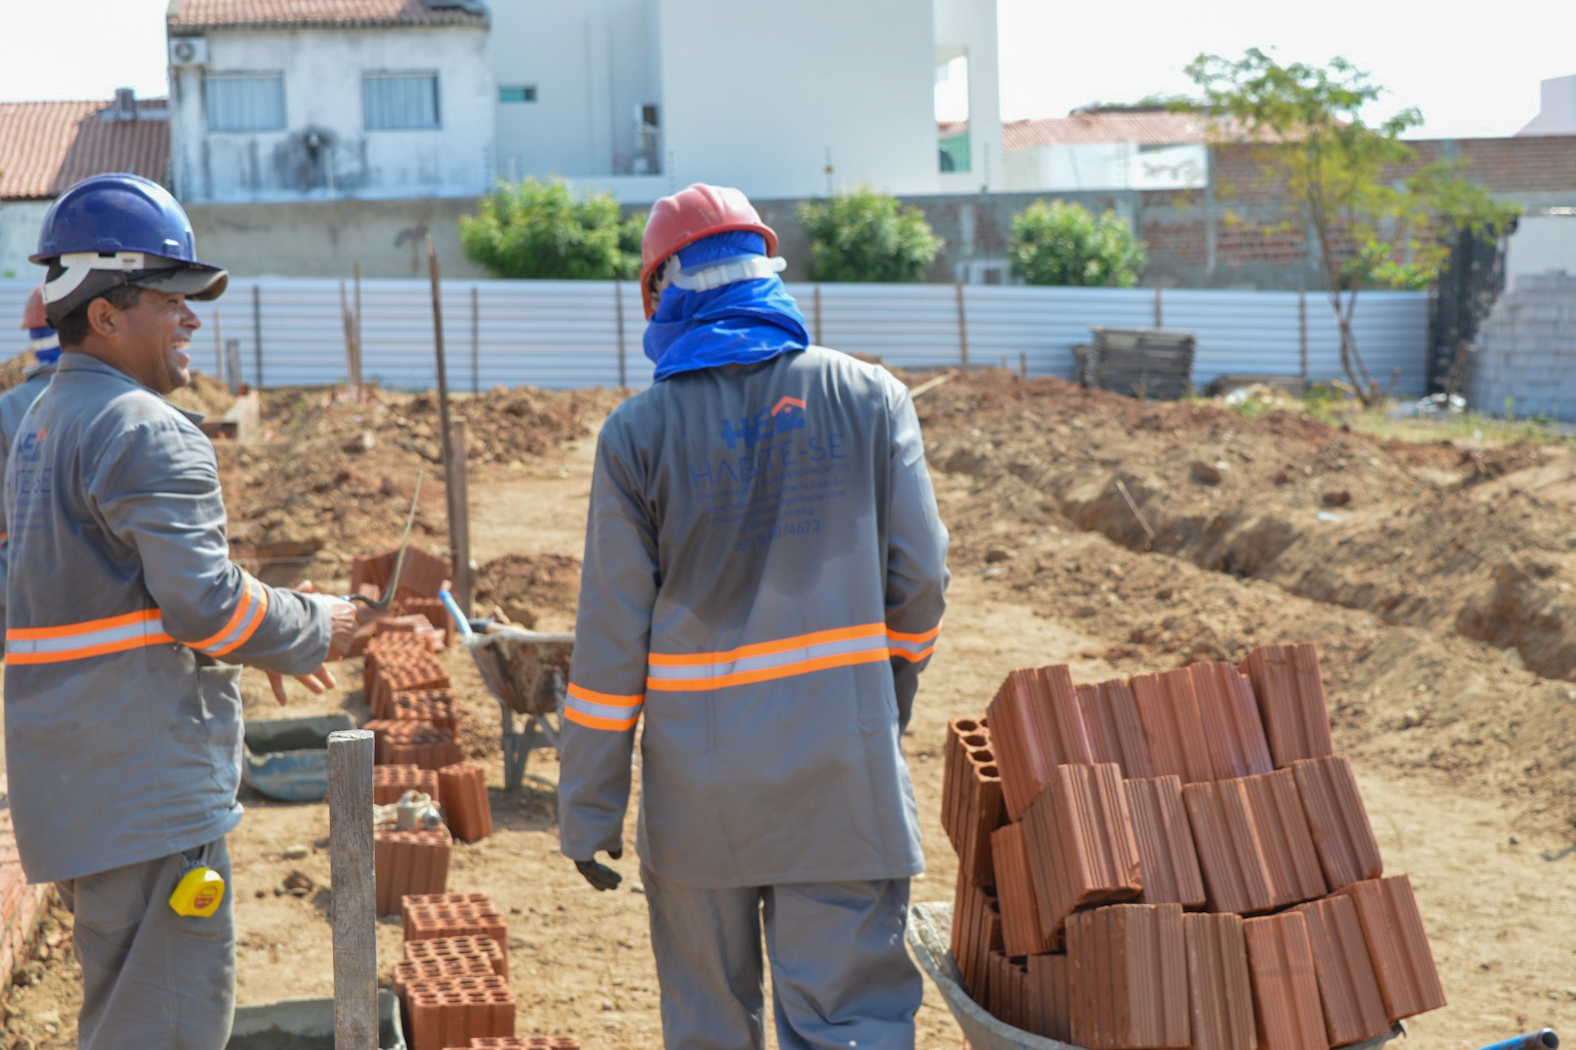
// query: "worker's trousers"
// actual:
[[841, 976], [151, 978]]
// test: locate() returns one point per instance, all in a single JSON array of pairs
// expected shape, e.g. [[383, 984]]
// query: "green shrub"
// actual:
[[538, 229], [865, 236], [1062, 243]]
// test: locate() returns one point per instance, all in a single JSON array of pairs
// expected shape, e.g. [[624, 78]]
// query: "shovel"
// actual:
[[383, 603]]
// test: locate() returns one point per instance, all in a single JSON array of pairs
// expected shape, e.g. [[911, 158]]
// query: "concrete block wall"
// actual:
[[1526, 357]]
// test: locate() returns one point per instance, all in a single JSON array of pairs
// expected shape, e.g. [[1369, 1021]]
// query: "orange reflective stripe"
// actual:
[[259, 613], [86, 627], [913, 658], [764, 674], [248, 599], [783, 645], [923, 637], [66, 655], [611, 699], [593, 722]]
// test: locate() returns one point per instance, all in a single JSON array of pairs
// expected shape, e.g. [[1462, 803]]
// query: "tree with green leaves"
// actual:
[[1064, 243], [541, 230], [866, 236], [1373, 214]]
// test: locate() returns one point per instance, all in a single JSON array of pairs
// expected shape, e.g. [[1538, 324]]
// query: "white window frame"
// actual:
[[389, 76]]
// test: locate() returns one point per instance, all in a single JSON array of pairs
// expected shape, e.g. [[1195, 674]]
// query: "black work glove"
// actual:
[[600, 876]]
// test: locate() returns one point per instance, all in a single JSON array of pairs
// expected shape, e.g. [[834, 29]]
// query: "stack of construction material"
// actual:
[[416, 607], [453, 982], [1146, 363], [1176, 860]]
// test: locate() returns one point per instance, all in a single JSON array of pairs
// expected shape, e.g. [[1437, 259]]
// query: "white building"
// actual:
[[285, 100], [1557, 113], [331, 99]]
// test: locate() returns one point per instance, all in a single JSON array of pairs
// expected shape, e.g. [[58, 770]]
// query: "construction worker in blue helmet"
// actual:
[[762, 585], [126, 621]]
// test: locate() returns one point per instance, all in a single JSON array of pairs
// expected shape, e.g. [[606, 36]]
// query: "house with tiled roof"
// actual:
[[290, 100], [1108, 148], [47, 146]]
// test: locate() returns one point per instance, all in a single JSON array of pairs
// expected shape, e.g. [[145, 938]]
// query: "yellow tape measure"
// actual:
[[199, 893]]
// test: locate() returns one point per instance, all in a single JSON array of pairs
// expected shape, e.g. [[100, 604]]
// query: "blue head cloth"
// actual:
[[45, 344], [739, 323]]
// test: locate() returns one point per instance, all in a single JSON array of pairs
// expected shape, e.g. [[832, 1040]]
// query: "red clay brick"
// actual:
[[1115, 730], [479, 918], [1290, 694], [389, 783], [1021, 929], [1081, 844], [1173, 725], [1050, 1012], [1338, 820], [461, 947], [407, 862], [1398, 946], [965, 736], [1285, 990], [1168, 862], [1008, 990], [1253, 843], [976, 932], [1284, 834], [1129, 977], [450, 1011], [1232, 729], [463, 793], [1348, 988], [1036, 725], [433, 706], [408, 971], [1220, 990]]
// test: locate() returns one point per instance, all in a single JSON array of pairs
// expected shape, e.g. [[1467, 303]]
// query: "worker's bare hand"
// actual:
[[318, 681], [344, 619], [600, 876]]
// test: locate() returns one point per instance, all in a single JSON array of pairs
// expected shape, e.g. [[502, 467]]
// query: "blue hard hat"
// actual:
[[116, 229]]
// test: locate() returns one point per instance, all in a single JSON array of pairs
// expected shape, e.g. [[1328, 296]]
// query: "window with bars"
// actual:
[[245, 101], [400, 101]]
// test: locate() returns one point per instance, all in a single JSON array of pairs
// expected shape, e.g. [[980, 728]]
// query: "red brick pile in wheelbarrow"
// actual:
[[1176, 860]]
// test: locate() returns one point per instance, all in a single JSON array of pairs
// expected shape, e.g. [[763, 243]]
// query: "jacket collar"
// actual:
[[76, 361]]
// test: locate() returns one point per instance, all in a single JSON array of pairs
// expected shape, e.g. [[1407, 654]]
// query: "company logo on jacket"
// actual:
[[787, 414]]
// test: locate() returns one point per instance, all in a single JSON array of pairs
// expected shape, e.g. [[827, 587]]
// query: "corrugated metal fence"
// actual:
[[290, 332]]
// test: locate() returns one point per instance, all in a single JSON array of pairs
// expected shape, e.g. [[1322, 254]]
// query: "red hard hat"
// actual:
[[33, 313], [689, 215]]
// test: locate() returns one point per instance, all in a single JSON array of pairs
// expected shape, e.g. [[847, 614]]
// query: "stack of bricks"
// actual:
[[1176, 860], [408, 861], [389, 783], [453, 981]]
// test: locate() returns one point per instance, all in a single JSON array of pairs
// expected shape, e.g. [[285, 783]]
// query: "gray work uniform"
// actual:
[[14, 404], [762, 584], [122, 708]]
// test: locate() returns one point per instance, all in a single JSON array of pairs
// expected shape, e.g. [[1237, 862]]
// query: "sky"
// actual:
[[1470, 76]]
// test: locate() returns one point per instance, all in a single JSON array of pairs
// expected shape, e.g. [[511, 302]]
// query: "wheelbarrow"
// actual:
[[527, 673], [929, 929]]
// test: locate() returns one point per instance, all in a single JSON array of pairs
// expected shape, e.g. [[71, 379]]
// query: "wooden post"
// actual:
[[464, 578], [476, 340], [1302, 327], [1159, 313], [232, 355], [356, 275], [348, 321], [818, 316], [354, 911], [218, 345], [1023, 364], [445, 435], [257, 332], [963, 328], [618, 314]]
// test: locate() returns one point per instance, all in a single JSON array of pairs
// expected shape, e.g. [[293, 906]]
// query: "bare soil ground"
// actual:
[[1436, 580]]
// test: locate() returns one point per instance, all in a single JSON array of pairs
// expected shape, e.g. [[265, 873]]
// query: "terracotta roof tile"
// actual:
[[1285, 990], [45, 147], [1036, 725], [1220, 992], [1348, 989], [1168, 862], [1156, 127], [1348, 851], [1398, 946], [191, 16]]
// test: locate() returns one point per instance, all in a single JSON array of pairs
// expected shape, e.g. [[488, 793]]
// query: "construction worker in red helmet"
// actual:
[[762, 585], [126, 620]]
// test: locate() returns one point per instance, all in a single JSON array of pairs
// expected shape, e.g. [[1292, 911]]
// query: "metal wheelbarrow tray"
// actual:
[[929, 929], [526, 672]]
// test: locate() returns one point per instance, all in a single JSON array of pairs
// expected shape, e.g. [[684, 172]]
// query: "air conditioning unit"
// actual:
[[188, 51]]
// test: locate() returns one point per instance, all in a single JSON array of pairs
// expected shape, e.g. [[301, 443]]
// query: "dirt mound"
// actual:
[[330, 478], [1282, 529], [204, 394], [537, 591]]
